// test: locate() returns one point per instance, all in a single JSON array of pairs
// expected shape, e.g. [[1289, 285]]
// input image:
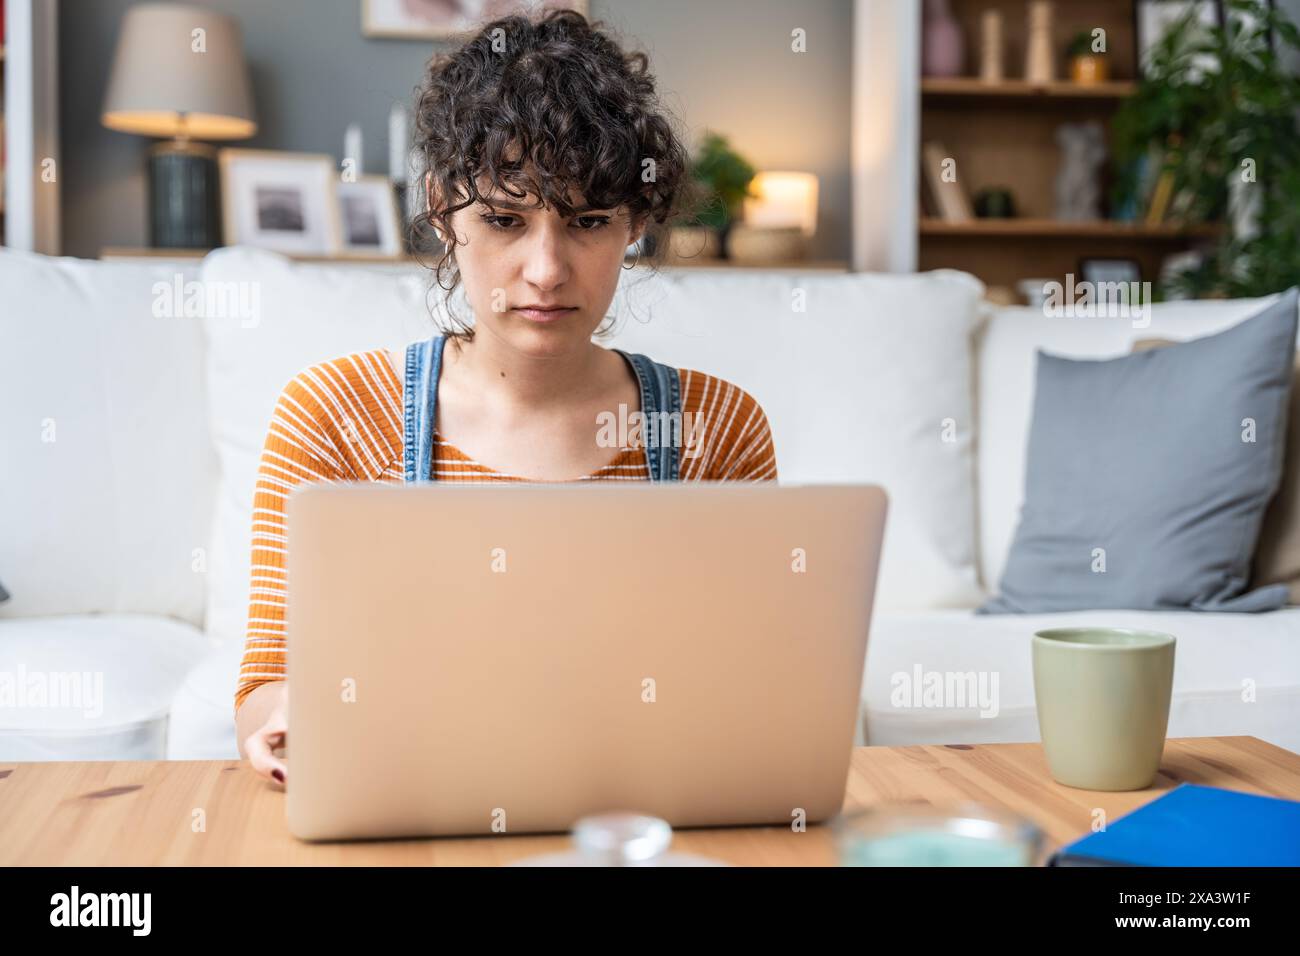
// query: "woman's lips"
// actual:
[[543, 315]]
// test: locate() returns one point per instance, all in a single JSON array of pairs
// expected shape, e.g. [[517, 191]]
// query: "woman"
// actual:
[[547, 138]]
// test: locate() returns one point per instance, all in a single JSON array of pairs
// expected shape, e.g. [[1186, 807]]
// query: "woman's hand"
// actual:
[[265, 746]]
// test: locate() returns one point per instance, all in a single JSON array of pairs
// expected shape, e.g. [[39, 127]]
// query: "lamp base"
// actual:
[[183, 211]]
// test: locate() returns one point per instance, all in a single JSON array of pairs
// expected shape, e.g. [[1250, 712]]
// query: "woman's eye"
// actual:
[[584, 223]]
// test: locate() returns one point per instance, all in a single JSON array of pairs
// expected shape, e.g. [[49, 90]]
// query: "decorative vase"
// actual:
[[751, 244], [691, 244], [991, 46], [1078, 181], [995, 202], [942, 52], [1038, 51]]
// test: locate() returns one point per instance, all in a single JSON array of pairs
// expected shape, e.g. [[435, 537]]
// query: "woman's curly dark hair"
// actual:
[[556, 95]]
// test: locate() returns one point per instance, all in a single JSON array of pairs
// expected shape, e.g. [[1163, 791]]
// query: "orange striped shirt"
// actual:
[[342, 420]]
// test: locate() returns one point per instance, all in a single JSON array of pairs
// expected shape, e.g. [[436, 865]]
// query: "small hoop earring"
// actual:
[[635, 262]]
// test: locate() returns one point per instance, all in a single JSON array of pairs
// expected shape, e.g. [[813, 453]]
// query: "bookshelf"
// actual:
[[1054, 228], [1003, 134], [969, 87]]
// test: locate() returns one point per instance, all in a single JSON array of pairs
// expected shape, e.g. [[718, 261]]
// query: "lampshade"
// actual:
[[179, 71], [784, 200]]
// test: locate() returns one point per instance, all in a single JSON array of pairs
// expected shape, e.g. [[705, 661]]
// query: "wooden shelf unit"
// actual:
[[1061, 229], [972, 87], [1004, 135]]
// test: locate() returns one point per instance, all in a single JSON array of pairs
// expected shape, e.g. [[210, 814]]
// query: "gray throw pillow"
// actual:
[[1148, 475]]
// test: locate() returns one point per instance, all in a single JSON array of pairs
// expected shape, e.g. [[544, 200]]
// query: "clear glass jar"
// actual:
[[620, 839]]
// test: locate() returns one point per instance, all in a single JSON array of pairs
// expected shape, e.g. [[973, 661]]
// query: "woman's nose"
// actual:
[[546, 263]]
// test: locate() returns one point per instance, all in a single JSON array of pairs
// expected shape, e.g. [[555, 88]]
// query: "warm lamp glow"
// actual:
[[165, 124], [783, 200]]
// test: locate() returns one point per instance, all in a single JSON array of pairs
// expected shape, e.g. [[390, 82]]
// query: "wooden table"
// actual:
[[147, 813]]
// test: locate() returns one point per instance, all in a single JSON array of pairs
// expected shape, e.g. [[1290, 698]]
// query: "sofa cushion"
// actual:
[[1148, 474], [202, 724], [1233, 673], [1006, 355], [91, 687], [306, 314], [107, 476], [864, 378], [1277, 556]]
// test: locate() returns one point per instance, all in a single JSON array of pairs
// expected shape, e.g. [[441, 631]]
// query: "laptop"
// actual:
[[493, 659]]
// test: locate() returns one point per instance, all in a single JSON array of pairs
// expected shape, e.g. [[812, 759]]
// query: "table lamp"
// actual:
[[780, 217], [179, 72], [781, 200]]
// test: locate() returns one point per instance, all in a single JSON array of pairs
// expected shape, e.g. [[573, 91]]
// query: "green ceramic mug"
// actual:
[[1103, 704]]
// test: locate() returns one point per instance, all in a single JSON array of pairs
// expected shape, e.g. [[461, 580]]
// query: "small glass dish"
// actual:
[[913, 834]]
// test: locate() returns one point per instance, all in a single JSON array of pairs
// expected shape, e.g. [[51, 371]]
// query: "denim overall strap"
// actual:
[[661, 392], [419, 401]]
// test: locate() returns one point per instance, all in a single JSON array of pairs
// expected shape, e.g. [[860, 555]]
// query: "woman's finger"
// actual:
[[260, 748]]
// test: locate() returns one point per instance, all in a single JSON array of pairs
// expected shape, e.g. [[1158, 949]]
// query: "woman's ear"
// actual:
[[638, 230]]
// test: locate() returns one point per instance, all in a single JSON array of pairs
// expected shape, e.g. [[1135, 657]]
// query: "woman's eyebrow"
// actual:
[[511, 205]]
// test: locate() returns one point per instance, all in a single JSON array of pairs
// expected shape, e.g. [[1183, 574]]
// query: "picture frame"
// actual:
[[444, 19], [369, 221], [1109, 269], [1152, 19], [281, 201]]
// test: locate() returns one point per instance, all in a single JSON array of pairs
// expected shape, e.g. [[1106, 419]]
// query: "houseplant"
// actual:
[[1086, 65], [1217, 108], [722, 177]]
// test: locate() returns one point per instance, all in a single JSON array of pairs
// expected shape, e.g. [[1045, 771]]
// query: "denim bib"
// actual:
[[661, 401]]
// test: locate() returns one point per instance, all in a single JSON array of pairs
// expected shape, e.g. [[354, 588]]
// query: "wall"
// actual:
[[721, 64]]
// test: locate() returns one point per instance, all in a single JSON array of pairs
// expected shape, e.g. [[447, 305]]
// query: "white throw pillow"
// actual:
[[864, 378], [299, 314], [106, 466]]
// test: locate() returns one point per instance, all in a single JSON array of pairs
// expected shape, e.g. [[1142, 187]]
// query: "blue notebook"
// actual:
[[1193, 825]]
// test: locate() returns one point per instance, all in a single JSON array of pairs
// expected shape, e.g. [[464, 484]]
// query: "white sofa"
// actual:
[[130, 432]]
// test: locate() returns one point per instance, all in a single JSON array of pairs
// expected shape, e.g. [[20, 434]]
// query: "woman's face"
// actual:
[[521, 255]]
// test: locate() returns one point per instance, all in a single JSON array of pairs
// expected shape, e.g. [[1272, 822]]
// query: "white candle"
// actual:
[[352, 146], [398, 161]]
